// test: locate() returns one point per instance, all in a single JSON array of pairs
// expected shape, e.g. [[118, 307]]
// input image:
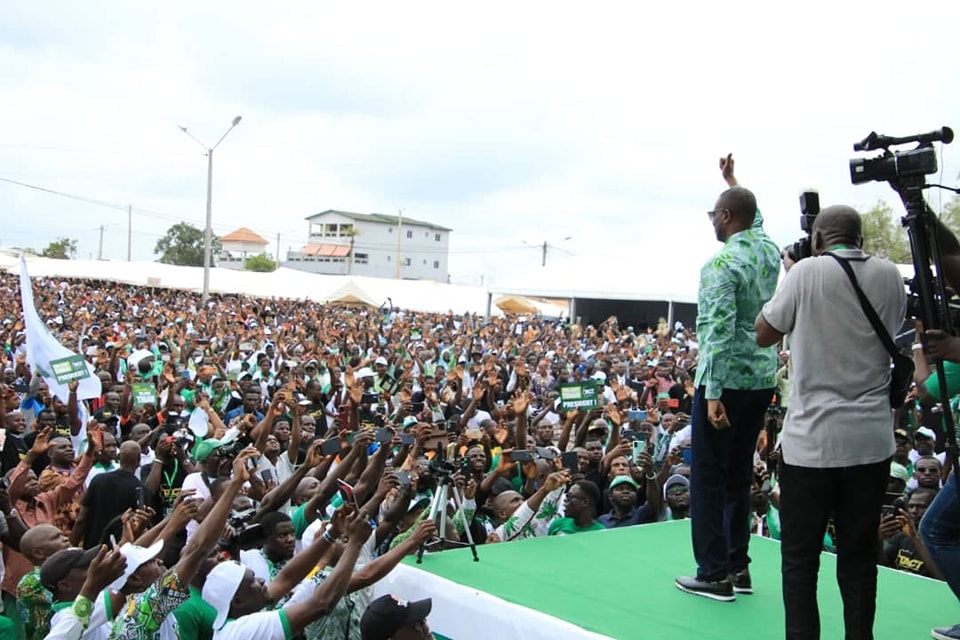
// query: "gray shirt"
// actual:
[[839, 369]]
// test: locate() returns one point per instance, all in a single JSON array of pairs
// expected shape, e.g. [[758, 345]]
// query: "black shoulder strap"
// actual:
[[867, 307]]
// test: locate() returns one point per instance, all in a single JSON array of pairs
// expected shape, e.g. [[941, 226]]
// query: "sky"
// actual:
[[513, 123]]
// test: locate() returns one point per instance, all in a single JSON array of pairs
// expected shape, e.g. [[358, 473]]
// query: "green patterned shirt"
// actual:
[[734, 285], [34, 602]]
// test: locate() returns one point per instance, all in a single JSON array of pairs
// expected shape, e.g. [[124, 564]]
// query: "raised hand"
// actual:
[[556, 480], [426, 531], [726, 170], [520, 402]]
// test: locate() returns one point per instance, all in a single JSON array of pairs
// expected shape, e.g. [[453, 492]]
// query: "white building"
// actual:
[[370, 244], [237, 246]]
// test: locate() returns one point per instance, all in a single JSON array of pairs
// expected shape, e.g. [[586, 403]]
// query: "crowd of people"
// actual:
[[252, 468]]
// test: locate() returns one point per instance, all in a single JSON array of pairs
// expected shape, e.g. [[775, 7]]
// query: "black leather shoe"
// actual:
[[721, 590], [741, 581]]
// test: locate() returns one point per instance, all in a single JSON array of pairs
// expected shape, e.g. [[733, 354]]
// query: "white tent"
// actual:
[[644, 277], [416, 295]]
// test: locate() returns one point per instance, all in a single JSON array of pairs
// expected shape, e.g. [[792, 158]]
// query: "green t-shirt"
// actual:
[[299, 518], [567, 526], [952, 371], [195, 617]]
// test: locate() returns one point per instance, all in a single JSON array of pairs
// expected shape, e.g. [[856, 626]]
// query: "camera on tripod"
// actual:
[[895, 166]]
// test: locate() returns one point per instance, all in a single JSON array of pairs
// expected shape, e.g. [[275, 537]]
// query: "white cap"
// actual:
[[364, 372], [136, 557], [381, 360], [219, 588]]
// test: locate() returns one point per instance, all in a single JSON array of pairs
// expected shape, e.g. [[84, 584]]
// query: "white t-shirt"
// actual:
[[264, 625], [195, 481]]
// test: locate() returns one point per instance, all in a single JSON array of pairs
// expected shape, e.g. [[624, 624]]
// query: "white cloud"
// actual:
[[509, 122]]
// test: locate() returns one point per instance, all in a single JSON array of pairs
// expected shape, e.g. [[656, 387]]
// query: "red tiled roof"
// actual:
[[327, 250], [243, 235]]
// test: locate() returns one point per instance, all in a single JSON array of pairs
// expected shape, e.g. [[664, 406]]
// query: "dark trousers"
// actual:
[[721, 475], [808, 498]]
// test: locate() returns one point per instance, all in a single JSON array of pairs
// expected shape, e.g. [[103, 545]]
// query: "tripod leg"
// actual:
[[458, 503], [431, 515]]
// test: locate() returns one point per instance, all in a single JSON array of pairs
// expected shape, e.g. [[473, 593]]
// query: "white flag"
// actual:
[[43, 349]]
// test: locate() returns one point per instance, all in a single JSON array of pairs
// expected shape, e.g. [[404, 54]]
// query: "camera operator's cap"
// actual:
[[136, 557], [675, 479], [364, 372], [925, 432], [619, 480], [137, 356], [56, 567], [388, 614], [381, 360], [899, 471], [205, 448], [220, 587]]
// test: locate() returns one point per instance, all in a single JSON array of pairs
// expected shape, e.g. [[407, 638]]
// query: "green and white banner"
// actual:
[[579, 395]]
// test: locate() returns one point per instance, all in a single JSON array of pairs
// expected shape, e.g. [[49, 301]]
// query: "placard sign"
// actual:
[[69, 368], [144, 393], [579, 395]]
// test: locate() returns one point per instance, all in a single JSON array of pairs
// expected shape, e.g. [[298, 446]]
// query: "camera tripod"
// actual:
[[438, 514], [905, 172]]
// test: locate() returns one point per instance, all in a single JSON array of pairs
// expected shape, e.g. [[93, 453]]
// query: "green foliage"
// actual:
[[260, 263], [883, 235], [183, 245], [61, 249]]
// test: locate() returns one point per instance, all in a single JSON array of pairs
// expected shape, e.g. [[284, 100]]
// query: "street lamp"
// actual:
[[208, 231]]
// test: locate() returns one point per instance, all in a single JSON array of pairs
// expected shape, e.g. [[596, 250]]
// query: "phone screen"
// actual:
[[571, 462]]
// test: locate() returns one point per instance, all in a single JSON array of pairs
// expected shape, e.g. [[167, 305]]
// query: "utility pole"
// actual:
[[396, 269], [100, 250], [129, 232], [278, 249], [543, 262]]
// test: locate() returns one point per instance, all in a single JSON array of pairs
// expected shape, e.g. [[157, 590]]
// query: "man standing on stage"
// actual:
[[734, 385], [837, 439]]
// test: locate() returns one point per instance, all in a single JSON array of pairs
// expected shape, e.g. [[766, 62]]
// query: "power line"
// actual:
[[289, 239]]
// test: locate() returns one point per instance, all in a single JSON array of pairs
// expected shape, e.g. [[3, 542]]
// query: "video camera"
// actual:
[[895, 166]]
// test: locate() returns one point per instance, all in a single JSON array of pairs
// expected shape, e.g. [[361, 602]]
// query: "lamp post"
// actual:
[[208, 230]]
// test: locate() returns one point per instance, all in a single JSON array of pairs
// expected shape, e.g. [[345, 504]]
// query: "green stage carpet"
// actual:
[[619, 583]]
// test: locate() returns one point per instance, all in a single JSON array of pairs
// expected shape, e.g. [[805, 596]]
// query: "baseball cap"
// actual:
[[926, 432], [56, 567], [598, 425], [675, 479], [619, 480], [600, 376], [409, 421], [219, 588], [364, 372], [136, 556], [901, 434], [205, 448], [134, 358], [388, 613], [381, 360]]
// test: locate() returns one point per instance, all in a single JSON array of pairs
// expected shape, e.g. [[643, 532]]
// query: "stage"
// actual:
[[619, 584]]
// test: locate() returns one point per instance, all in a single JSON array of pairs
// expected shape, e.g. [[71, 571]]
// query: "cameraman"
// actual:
[[837, 438]]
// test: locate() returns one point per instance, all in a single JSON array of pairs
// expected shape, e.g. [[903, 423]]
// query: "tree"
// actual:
[[883, 235], [260, 263], [183, 245], [61, 249]]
